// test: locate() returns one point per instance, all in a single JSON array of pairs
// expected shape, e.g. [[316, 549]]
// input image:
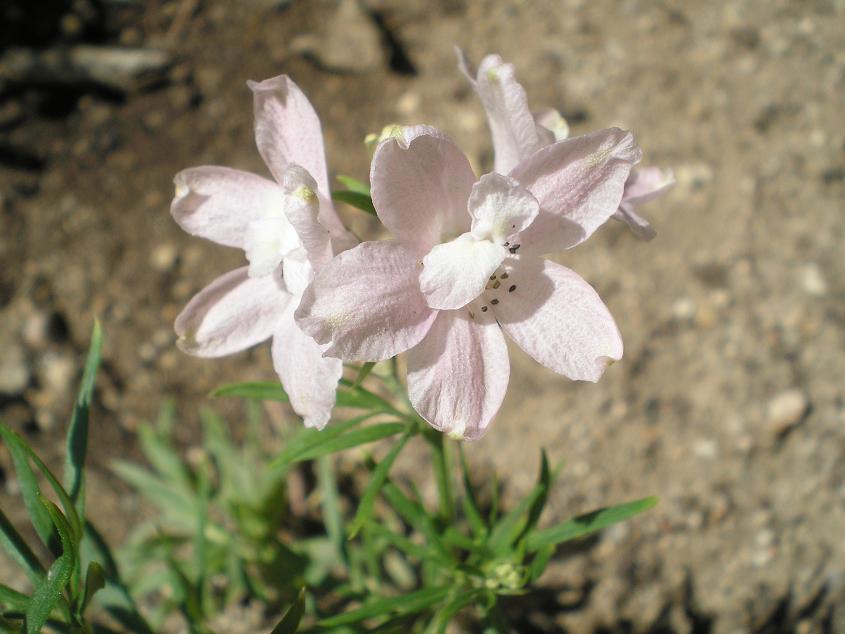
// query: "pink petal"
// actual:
[[500, 208], [642, 185], [287, 130], [454, 273], [309, 379], [367, 303], [514, 131], [420, 185], [557, 318], [579, 184], [302, 209], [218, 203], [458, 374], [551, 125], [647, 183], [231, 314]]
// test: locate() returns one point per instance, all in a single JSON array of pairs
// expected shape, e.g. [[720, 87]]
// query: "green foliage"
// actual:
[[257, 516], [358, 195], [60, 595]]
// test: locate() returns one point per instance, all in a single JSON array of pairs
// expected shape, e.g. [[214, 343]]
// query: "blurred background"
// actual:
[[728, 403]]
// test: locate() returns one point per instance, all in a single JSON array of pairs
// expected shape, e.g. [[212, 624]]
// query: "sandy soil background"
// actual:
[[728, 403]]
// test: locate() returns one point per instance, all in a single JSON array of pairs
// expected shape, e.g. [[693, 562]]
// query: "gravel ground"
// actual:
[[728, 403]]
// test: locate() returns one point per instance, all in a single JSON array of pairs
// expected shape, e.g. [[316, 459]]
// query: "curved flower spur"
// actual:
[[517, 133], [287, 228], [465, 266]]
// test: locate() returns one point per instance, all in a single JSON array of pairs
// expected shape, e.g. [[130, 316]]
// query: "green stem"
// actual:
[[440, 458]]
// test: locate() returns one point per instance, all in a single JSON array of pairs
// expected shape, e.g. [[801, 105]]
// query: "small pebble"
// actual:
[[812, 280], [786, 410]]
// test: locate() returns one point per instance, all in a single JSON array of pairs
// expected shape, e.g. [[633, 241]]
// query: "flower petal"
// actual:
[[514, 131], [557, 318], [287, 129], [458, 374], [647, 183], [367, 303], [218, 203], [302, 209], [500, 208], [268, 241], [420, 184], [455, 273], [231, 314], [552, 123], [309, 379], [579, 184]]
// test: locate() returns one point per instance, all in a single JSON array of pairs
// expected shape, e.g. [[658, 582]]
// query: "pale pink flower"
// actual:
[[288, 229], [464, 267], [517, 133]]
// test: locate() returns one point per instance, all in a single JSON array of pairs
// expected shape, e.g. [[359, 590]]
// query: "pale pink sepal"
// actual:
[[642, 186], [420, 183], [231, 314], [579, 183], [366, 304], [558, 319], [287, 130], [515, 132], [218, 203], [458, 374], [309, 378]]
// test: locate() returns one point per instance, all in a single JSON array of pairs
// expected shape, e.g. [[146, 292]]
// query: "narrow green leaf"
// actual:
[[469, 501], [447, 612], [22, 454], [453, 537], [355, 199], [164, 458], [361, 398], [509, 527], [586, 524], [544, 483], [345, 441], [415, 515], [290, 621], [393, 606], [19, 551], [364, 373], [409, 548], [541, 559], [330, 502], [38, 515], [261, 390], [95, 580], [377, 480], [174, 502], [12, 600], [307, 439], [77, 433], [47, 594], [353, 184]]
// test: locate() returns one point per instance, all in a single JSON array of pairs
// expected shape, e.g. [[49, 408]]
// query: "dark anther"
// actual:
[[504, 276], [507, 244], [471, 315], [514, 248], [484, 309], [512, 288], [497, 284], [494, 301], [492, 277]]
